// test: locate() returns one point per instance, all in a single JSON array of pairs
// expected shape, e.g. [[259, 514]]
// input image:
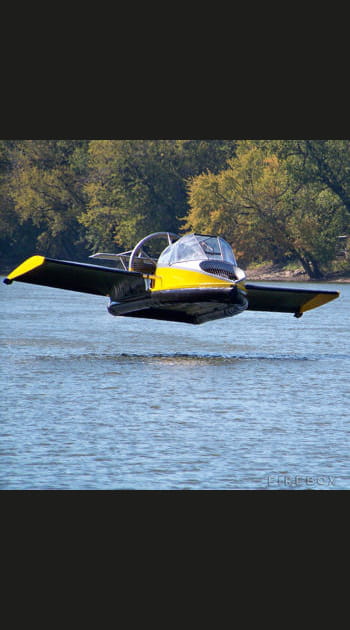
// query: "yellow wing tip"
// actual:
[[319, 300], [28, 265]]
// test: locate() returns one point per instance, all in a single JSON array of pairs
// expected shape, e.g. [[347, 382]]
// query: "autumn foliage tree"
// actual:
[[278, 200], [266, 211]]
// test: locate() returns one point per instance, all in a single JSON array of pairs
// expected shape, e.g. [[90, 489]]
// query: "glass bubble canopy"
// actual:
[[197, 247]]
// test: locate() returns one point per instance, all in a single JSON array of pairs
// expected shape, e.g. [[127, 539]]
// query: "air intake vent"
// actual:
[[144, 265], [217, 268]]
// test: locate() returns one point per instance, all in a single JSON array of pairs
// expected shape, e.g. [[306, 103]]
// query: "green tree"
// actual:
[[139, 186], [46, 188], [16, 240], [323, 162], [7, 217]]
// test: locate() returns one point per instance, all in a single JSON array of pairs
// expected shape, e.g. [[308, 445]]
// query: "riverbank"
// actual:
[[279, 273]]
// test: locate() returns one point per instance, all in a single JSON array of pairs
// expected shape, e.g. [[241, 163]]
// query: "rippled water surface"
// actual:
[[91, 401]]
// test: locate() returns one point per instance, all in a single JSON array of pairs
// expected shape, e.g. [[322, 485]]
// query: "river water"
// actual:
[[90, 401]]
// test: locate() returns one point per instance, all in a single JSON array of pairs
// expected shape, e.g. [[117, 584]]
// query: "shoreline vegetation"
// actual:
[[283, 205], [279, 273]]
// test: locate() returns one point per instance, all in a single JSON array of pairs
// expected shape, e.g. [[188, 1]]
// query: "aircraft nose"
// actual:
[[239, 273]]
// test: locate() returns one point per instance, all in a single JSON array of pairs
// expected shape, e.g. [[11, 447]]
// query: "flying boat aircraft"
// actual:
[[194, 279]]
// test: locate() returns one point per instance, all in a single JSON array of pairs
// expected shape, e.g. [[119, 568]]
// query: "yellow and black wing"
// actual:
[[73, 276], [286, 300]]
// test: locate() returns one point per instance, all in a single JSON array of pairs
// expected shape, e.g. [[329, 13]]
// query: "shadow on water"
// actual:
[[186, 358]]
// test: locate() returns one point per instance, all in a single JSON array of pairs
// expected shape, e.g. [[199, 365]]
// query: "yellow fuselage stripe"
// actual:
[[178, 278]]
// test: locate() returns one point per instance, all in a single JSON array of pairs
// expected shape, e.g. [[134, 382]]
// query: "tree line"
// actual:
[[282, 201]]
